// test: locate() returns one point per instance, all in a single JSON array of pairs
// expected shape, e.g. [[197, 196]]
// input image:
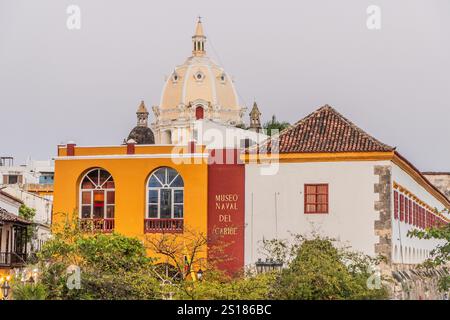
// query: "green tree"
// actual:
[[112, 266], [440, 256], [318, 270], [28, 214], [274, 126]]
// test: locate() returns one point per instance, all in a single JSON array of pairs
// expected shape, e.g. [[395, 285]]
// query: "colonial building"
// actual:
[[197, 89], [194, 169], [13, 235], [43, 215], [325, 175], [33, 176]]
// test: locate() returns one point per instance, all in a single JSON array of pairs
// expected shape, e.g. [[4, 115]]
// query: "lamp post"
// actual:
[[268, 265], [6, 287]]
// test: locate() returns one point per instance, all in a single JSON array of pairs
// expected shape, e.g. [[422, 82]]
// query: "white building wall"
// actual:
[[30, 172], [12, 207], [42, 205], [9, 205], [42, 218], [406, 249], [275, 204]]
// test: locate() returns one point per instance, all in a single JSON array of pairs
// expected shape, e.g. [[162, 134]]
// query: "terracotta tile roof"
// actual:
[[324, 130], [6, 216]]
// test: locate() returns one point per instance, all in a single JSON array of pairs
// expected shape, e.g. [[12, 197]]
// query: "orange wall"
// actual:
[[130, 176]]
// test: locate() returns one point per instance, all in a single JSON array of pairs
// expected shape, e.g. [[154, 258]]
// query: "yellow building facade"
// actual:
[[134, 190]]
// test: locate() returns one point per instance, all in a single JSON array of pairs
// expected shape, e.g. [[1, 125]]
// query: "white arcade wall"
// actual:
[[274, 207], [406, 249]]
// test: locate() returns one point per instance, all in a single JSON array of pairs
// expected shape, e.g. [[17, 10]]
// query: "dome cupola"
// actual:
[[142, 134], [197, 89]]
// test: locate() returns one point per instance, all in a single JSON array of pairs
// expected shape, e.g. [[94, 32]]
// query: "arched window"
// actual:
[[199, 113], [165, 201], [97, 200]]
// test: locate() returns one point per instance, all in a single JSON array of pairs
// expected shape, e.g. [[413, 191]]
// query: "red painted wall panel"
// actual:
[[226, 200]]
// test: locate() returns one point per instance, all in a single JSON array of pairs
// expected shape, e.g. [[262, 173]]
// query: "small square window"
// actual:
[[178, 196], [85, 212], [110, 212], [86, 197], [316, 198], [13, 179], [178, 211], [153, 196], [153, 211]]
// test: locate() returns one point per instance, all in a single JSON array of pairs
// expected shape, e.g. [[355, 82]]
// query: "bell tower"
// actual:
[[142, 115], [255, 119]]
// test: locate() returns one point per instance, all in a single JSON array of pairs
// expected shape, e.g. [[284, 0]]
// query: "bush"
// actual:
[[318, 270], [29, 291], [111, 266], [218, 286]]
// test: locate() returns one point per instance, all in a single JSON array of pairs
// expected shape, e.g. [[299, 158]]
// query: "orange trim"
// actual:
[[319, 157], [393, 156], [411, 195], [420, 178]]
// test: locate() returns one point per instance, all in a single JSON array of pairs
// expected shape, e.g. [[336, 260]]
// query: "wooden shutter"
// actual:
[[395, 205]]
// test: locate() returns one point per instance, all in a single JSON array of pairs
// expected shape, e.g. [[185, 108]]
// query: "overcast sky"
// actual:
[[84, 85]]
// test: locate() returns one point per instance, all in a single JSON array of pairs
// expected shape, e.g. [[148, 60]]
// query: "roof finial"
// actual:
[[255, 118], [199, 39]]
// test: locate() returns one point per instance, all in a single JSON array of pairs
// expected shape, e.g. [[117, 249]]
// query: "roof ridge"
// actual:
[[324, 130], [7, 216], [292, 126], [354, 126]]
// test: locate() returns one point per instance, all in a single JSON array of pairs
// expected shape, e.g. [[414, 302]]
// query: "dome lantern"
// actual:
[[198, 89], [198, 40]]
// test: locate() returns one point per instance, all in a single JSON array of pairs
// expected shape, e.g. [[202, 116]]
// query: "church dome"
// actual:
[[142, 135], [200, 82]]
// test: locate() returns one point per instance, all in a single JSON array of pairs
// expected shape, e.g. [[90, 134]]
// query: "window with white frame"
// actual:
[[97, 195], [165, 194]]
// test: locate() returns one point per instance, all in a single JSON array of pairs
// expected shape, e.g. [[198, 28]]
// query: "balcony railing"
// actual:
[[105, 225], [38, 187], [12, 259], [163, 225]]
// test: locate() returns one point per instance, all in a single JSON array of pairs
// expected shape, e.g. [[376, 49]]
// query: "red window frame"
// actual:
[[395, 205], [315, 203], [406, 210], [422, 218], [411, 209], [415, 214], [402, 207]]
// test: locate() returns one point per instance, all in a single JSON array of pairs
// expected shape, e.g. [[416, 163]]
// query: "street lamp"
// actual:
[[6, 287], [268, 265], [200, 274], [259, 266]]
